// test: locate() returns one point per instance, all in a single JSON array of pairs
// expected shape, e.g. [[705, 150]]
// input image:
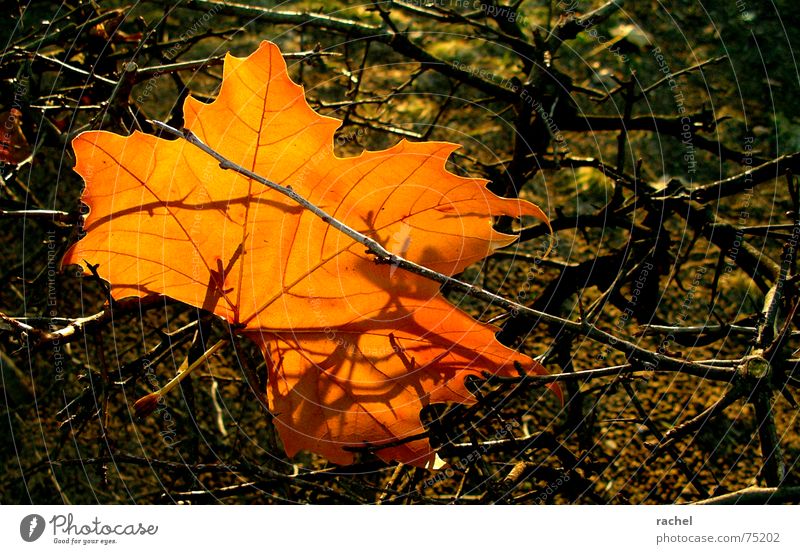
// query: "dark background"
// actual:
[[605, 160]]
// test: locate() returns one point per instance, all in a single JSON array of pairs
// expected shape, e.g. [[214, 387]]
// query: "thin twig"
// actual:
[[386, 257], [756, 495]]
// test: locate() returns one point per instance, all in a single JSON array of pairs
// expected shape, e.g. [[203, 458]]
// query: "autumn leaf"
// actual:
[[354, 349]]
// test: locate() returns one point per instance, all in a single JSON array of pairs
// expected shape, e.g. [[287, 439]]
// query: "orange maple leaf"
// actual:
[[354, 349]]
